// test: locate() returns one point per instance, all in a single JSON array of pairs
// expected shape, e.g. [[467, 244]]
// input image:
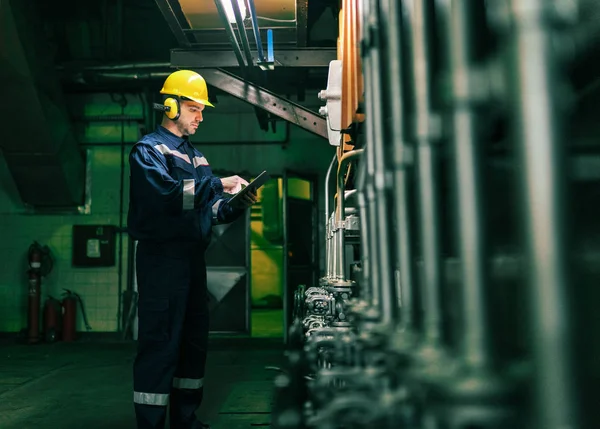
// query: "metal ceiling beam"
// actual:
[[272, 103], [302, 22], [170, 15], [189, 58]]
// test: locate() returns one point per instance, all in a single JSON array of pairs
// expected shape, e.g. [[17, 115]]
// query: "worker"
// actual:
[[174, 201]]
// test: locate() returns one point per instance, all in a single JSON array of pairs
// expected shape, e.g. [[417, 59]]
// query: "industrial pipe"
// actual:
[[371, 210], [239, 20], [256, 30], [328, 244], [331, 270], [401, 162], [388, 302], [419, 23], [327, 179], [340, 215], [540, 146], [467, 157], [230, 34], [364, 231]]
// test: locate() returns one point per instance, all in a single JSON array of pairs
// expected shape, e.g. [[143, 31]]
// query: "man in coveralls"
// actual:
[[174, 202]]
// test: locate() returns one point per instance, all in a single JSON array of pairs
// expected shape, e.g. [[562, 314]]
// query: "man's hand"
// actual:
[[233, 184], [246, 201]]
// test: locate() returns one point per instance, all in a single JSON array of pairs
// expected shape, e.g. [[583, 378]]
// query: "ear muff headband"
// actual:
[[173, 111]]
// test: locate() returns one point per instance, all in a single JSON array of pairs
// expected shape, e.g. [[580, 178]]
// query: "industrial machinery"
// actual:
[[460, 254]]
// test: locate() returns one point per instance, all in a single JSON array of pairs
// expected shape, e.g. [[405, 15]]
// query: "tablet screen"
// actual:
[[260, 180]]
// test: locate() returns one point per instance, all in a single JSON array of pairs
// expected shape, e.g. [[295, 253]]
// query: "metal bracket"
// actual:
[[333, 96], [265, 99]]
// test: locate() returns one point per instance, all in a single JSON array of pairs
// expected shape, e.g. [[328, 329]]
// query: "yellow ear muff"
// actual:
[[173, 105]]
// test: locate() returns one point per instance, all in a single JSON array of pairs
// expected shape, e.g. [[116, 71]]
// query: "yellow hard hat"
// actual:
[[188, 84]]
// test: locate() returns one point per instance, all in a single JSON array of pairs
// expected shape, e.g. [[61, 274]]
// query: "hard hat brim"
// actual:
[[185, 97], [198, 100]]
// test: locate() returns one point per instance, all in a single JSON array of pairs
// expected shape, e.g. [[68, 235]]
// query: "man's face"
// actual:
[[190, 117]]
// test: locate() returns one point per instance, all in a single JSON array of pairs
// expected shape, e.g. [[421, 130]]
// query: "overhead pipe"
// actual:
[[539, 129], [133, 75], [239, 20], [121, 66], [230, 34], [256, 30]]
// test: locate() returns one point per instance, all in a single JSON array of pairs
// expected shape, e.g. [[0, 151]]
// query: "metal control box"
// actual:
[[94, 245]]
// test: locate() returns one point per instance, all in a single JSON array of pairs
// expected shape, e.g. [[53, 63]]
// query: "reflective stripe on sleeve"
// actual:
[[189, 186], [162, 148], [215, 210], [199, 161], [188, 383], [161, 399]]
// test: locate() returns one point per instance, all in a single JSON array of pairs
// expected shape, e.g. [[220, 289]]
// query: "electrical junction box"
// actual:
[[94, 245]]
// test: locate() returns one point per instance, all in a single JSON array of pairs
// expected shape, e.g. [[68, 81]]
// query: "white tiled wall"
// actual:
[[98, 287]]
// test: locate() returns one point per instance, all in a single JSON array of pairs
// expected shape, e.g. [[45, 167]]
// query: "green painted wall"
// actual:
[[99, 288]]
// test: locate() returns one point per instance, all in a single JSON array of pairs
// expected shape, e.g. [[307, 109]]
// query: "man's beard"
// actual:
[[187, 130]]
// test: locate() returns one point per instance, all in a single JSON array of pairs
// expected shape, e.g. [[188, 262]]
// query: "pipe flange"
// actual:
[[340, 324], [333, 285]]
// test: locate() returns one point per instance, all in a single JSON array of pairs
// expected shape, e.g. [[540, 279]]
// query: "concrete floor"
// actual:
[[88, 384]]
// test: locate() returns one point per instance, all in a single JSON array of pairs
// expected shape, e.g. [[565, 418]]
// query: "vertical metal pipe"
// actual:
[[366, 7], [418, 20], [403, 250], [327, 179], [239, 20], [340, 241], [230, 34], [364, 233], [256, 30], [340, 215], [540, 148], [388, 304], [467, 158], [334, 246], [328, 249], [372, 230]]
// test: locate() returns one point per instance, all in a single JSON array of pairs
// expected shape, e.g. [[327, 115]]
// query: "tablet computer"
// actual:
[[260, 180]]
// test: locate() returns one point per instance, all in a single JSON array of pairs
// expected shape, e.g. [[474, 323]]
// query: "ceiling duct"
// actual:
[[37, 143]]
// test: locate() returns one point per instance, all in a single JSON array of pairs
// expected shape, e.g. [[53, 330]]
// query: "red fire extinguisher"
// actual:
[[52, 320], [40, 264], [69, 319], [33, 325]]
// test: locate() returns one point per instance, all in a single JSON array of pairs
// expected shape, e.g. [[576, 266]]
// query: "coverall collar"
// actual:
[[172, 138]]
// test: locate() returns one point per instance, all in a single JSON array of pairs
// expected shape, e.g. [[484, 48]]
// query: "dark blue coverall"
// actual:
[[174, 202]]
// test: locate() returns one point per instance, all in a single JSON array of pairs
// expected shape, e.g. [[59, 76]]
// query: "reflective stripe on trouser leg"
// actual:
[[163, 287], [188, 383]]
